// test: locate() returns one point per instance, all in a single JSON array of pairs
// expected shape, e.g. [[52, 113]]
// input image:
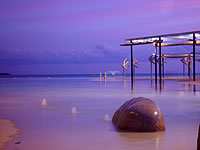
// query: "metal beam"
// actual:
[[178, 44], [139, 43]]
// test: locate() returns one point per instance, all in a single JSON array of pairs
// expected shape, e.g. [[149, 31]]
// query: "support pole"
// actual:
[[131, 66], [105, 76], [163, 66], [160, 74], [189, 66], [151, 69], [184, 67], [194, 44], [156, 63]]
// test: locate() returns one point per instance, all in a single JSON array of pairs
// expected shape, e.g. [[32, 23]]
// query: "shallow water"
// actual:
[[54, 126]]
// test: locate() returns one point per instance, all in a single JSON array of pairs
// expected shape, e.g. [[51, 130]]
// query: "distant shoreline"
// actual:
[[119, 75], [5, 74]]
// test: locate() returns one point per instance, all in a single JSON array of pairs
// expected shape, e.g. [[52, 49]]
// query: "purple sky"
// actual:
[[76, 36]]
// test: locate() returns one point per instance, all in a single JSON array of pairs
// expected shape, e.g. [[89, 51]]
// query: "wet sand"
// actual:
[[7, 131]]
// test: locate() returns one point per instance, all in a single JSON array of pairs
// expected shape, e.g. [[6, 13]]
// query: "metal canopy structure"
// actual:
[[185, 59], [178, 55], [176, 39]]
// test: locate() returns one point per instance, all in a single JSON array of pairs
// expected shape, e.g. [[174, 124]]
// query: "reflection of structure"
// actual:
[[135, 62], [167, 40], [184, 61], [152, 61], [124, 66], [198, 57], [189, 66], [162, 64]]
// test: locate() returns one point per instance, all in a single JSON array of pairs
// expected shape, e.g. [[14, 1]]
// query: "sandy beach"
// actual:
[[7, 131]]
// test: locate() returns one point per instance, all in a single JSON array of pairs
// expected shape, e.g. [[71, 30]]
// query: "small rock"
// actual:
[[18, 143], [139, 114]]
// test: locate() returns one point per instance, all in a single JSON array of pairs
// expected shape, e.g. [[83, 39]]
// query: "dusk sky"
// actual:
[[84, 36]]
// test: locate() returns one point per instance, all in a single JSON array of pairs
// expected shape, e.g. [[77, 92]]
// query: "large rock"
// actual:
[[139, 114], [198, 140]]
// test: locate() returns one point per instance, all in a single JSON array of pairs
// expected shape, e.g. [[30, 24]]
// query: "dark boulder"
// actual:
[[139, 114]]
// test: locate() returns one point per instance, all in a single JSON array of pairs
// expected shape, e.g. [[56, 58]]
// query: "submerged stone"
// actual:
[[139, 114]]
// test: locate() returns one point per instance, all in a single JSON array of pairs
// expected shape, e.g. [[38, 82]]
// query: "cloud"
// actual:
[[100, 53]]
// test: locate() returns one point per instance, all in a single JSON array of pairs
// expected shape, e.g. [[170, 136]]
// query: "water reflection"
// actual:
[[104, 83], [194, 88], [151, 83], [190, 87], [169, 85], [125, 84], [152, 138]]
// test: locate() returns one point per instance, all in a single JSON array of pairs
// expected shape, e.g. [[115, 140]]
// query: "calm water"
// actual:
[[53, 126]]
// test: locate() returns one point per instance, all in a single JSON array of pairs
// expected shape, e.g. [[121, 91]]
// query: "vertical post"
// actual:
[[131, 66], [151, 68], [104, 75], [184, 66], [160, 74], [194, 44], [151, 63], [189, 65], [156, 63], [163, 66]]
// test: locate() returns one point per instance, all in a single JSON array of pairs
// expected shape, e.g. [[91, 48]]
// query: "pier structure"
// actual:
[[166, 40], [185, 58]]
